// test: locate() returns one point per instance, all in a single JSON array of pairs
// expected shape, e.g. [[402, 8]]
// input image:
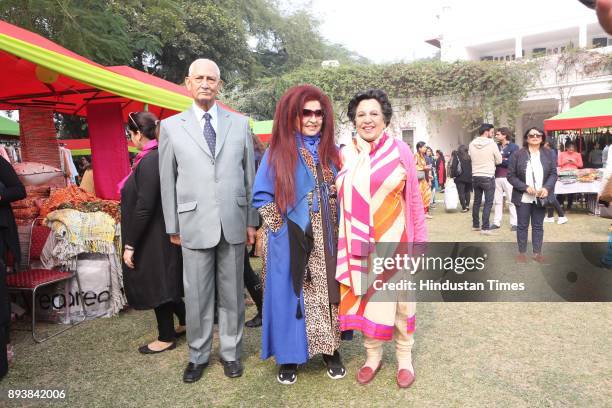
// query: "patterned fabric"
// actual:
[[382, 171], [209, 133], [86, 232], [357, 219], [423, 184], [271, 216], [322, 328]]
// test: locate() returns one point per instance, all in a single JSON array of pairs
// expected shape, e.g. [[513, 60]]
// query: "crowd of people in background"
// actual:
[[499, 173]]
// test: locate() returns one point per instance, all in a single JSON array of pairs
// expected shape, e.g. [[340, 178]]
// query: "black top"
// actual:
[[466, 169], [518, 166], [157, 277], [11, 189]]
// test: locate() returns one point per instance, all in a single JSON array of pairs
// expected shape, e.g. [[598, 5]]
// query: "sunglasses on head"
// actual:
[[308, 113], [132, 119]]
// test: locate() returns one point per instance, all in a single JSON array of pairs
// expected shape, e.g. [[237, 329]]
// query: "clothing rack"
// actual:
[[11, 151], [584, 139]]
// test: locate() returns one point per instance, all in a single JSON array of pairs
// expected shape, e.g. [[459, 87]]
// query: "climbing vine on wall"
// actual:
[[474, 88]]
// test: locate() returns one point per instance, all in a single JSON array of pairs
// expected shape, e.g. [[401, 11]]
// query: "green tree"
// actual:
[[82, 26]]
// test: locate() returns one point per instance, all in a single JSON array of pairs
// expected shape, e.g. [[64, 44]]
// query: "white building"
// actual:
[[510, 40]]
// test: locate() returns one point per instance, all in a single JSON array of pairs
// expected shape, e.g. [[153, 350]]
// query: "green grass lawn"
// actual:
[[466, 354]]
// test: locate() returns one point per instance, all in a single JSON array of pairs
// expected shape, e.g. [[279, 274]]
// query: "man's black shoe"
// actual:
[[254, 322], [493, 226], [193, 372], [232, 369]]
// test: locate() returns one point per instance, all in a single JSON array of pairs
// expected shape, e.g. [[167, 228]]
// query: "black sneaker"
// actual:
[[493, 226], [335, 368], [287, 374], [254, 322]]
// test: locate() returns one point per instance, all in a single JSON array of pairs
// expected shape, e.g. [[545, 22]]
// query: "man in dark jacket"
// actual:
[[11, 189], [503, 137]]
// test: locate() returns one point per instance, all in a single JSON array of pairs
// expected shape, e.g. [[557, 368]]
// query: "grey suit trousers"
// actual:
[[222, 266]]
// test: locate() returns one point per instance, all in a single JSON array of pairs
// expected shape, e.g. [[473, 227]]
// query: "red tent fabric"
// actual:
[[25, 84]]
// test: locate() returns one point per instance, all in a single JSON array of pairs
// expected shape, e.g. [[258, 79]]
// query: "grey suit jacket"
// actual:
[[204, 194]]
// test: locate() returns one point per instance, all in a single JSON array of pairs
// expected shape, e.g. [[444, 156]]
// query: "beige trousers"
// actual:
[[403, 339]]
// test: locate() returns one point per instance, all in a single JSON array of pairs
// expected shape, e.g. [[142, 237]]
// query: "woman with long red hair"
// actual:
[[295, 193]]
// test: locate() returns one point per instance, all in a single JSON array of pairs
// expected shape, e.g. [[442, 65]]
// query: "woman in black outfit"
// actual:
[[11, 190], [152, 265], [532, 171], [252, 282], [461, 172]]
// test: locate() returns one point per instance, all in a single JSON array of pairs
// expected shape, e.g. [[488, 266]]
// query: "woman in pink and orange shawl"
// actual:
[[380, 202]]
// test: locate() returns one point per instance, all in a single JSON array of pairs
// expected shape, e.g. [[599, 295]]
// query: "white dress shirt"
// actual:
[[199, 113], [534, 168]]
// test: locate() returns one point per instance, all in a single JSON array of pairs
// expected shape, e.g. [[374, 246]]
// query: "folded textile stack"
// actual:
[[109, 207], [83, 232], [70, 194], [74, 198], [76, 232], [588, 175], [567, 176], [28, 209]]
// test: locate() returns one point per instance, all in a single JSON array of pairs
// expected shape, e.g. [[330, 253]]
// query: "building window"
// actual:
[[408, 136], [538, 52], [599, 42]]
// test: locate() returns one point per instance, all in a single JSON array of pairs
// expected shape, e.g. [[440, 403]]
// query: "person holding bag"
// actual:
[[532, 171], [461, 172]]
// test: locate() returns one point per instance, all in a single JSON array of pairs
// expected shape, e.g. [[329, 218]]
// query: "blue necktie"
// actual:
[[209, 133]]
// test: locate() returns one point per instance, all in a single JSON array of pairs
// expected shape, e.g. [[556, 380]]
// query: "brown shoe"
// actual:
[[404, 378], [366, 374], [540, 259], [521, 259]]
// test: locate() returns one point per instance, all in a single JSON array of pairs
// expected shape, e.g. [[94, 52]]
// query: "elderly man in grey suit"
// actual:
[[207, 168]]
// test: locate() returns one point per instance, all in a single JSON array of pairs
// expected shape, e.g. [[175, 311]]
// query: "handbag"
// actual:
[[544, 202], [459, 168]]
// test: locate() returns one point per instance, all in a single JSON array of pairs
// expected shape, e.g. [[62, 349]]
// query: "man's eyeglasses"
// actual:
[[534, 135], [201, 78], [308, 113]]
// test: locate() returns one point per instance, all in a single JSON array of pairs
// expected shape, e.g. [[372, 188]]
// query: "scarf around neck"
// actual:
[[311, 143], [356, 228], [147, 148]]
